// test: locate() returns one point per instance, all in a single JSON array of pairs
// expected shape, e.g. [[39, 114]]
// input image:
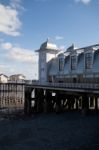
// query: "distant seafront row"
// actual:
[[11, 96]]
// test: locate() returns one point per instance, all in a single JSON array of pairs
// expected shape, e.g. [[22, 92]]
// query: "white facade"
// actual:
[[3, 78], [17, 77]]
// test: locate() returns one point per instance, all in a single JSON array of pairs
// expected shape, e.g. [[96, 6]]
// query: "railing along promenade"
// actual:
[[65, 86]]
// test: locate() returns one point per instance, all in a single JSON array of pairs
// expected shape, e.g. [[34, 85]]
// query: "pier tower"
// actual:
[[47, 52]]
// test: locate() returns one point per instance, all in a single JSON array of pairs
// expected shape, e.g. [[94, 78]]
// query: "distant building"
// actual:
[[17, 77], [3, 78], [12, 96]]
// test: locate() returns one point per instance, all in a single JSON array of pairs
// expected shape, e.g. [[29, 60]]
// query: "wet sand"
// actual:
[[66, 131]]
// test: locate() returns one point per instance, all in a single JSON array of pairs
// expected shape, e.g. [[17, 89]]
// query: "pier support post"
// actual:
[[58, 103], [92, 102], [39, 100], [76, 103], [85, 105], [48, 107], [96, 103], [70, 102], [27, 102]]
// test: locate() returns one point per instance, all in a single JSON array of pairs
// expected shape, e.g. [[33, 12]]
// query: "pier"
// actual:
[[68, 80], [58, 97], [37, 97]]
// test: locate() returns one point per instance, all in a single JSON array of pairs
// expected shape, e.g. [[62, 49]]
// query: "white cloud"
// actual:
[[8, 69], [23, 55], [19, 54], [4, 68], [84, 1], [6, 46], [58, 37], [31, 72], [9, 20], [15, 3], [19, 60]]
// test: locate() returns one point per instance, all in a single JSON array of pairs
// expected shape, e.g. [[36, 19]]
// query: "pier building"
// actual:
[[67, 79], [74, 65]]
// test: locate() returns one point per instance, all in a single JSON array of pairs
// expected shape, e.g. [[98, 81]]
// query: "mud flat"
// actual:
[[66, 131]]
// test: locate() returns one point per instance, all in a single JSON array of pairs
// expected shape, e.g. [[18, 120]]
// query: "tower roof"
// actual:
[[48, 46]]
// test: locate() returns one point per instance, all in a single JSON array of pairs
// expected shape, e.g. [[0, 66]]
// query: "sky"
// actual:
[[26, 24]]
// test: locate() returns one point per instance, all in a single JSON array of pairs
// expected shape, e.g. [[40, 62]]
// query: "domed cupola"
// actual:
[[48, 47]]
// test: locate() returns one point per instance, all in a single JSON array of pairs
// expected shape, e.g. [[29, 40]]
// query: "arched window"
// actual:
[[88, 60], [61, 64], [73, 62]]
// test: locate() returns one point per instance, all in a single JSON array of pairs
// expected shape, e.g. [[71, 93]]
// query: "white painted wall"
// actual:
[[17, 78], [44, 58], [3, 79]]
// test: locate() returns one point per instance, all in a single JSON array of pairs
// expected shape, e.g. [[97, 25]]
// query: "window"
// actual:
[[61, 64], [73, 62], [88, 60]]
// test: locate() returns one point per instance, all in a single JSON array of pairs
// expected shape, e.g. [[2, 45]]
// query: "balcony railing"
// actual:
[[66, 85]]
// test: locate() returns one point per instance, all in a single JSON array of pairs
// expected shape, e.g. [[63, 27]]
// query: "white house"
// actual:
[[3, 78], [17, 77]]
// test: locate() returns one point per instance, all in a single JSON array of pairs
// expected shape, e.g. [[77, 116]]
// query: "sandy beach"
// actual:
[[66, 131]]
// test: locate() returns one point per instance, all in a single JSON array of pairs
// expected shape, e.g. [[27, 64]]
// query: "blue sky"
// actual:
[[25, 24]]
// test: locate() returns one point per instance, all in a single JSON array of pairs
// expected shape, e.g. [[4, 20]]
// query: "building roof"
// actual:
[[49, 47], [96, 46], [71, 48], [79, 50], [17, 75], [3, 75]]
